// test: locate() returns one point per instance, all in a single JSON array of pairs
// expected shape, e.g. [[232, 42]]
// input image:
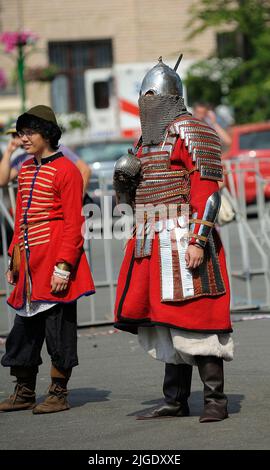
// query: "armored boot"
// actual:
[[176, 389], [57, 394], [23, 397], [212, 376]]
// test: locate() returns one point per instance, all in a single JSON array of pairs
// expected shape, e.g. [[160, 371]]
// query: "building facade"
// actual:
[[86, 34]]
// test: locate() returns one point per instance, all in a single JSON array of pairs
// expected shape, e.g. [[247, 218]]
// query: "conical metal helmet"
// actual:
[[162, 80]]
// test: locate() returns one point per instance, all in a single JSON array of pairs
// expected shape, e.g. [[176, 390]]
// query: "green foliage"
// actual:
[[209, 80], [203, 89], [246, 85], [249, 17], [72, 121]]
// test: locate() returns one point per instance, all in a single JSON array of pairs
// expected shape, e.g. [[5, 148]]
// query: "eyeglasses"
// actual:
[[27, 133]]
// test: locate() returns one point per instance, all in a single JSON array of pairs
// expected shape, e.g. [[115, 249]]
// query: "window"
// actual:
[[227, 45], [255, 140], [103, 151], [73, 59], [101, 95], [59, 94]]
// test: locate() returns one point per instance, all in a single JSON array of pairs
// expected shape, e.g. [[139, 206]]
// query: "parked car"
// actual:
[[101, 156], [251, 147]]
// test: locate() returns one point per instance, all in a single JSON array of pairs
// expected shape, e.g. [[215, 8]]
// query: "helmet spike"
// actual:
[[178, 62]]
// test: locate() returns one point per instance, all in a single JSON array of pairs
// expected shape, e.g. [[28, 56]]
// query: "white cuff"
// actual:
[[61, 273]]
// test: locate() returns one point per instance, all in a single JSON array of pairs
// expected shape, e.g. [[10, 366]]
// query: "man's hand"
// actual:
[[10, 278], [58, 284], [194, 256]]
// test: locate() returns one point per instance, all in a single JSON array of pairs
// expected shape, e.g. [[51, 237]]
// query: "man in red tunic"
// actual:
[[48, 266], [173, 288]]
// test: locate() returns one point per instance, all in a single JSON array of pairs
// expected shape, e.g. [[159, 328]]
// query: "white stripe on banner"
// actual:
[[166, 265], [186, 276]]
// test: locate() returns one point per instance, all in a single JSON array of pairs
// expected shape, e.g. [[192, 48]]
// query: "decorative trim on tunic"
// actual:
[[37, 202]]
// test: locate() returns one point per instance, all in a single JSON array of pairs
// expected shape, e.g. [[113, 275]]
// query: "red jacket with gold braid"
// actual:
[[48, 227]]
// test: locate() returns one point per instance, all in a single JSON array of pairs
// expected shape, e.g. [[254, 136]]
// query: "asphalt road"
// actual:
[[116, 380]]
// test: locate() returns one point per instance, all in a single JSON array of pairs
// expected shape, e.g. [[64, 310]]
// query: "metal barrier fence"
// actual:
[[246, 241], [6, 316]]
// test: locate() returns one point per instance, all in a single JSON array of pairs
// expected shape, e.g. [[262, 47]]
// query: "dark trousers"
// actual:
[[58, 326]]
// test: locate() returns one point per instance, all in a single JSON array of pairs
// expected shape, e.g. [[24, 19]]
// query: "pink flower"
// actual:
[[12, 39]]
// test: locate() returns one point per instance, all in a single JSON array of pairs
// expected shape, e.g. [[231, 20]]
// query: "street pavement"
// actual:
[[116, 380]]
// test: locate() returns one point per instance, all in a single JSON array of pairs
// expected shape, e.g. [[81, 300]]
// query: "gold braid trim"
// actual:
[[195, 235], [200, 221]]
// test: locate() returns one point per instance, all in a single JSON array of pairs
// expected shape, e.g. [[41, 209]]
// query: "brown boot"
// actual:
[[23, 398], [57, 398], [215, 400], [55, 401]]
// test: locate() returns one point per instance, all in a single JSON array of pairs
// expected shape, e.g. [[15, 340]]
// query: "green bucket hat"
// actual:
[[43, 112]]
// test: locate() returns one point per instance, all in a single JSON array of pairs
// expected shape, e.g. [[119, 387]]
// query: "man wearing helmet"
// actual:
[[173, 289]]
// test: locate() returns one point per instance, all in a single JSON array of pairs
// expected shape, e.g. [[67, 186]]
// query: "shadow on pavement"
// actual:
[[196, 404], [80, 396]]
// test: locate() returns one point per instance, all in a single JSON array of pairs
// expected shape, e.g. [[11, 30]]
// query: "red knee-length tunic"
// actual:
[[48, 229], [138, 299]]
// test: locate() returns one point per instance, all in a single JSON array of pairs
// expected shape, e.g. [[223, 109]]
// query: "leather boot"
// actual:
[[176, 389], [57, 395], [23, 397], [212, 376]]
